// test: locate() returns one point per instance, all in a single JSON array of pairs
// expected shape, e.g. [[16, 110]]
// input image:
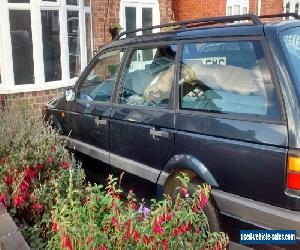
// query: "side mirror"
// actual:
[[69, 95]]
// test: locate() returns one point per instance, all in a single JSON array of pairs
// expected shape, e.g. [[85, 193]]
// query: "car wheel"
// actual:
[[211, 211]]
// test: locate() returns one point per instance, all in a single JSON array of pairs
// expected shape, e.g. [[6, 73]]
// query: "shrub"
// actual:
[[100, 219], [34, 166], [44, 190]]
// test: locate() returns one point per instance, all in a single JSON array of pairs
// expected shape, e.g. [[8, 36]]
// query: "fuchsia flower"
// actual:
[[203, 201], [50, 160], [8, 180], [146, 239], [30, 173], [103, 247], [3, 199], [39, 166], [19, 201], [38, 208], [65, 164], [157, 228], [24, 187], [54, 227], [66, 242], [114, 221], [184, 191], [136, 236]]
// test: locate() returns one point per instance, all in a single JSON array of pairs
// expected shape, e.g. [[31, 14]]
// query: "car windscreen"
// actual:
[[291, 42]]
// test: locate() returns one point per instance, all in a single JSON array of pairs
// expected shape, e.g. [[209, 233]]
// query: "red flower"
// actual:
[[176, 232], [53, 148], [66, 242], [114, 221], [50, 160], [65, 164], [38, 208], [19, 201], [113, 205], [183, 228], [136, 236], [184, 191], [30, 173], [146, 240], [168, 217], [24, 187], [8, 180], [133, 205], [103, 247], [165, 243], [39, 166], [161, 220], [203, 201], [3, 199], [157, 228], [54, 227]]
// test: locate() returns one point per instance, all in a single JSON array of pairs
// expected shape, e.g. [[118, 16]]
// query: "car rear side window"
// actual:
[[99, 84], [149, 77], [227, 77]]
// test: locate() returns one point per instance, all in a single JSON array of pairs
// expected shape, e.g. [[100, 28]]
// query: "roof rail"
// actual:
[[203, 21], [295, 15]]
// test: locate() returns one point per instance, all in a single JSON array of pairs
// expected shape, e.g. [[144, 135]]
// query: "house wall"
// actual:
[[204, 8], [107, 12], [198, 8]]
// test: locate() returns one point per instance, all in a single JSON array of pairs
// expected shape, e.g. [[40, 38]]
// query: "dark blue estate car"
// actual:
[[220, 103]]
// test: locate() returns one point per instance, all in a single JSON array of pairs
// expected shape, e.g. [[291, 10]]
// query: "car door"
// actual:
[[90, 112], [230, 117], [142, 124]]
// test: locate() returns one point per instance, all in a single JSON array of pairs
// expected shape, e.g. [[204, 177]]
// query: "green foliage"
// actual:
[[45, 191]]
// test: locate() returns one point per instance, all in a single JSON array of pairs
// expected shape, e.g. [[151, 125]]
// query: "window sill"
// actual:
[[35, 87]]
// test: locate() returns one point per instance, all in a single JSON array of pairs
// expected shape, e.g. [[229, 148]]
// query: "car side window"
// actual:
[[227, 77], [99, 84], [148, 77]]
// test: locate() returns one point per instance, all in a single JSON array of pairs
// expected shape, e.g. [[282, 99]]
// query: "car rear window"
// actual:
[[229, 78], [291, 41]]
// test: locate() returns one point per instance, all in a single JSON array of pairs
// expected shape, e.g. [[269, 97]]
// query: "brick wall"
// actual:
[[198, 8], [271, 7], [107, 12], [35, 100]]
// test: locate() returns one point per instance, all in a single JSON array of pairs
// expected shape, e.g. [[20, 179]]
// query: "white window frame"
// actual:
[[139, 4], [35, 6], [241, 3]]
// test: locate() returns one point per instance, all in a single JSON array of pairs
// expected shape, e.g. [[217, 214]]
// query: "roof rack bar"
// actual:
[[295, 15], [208, 21]]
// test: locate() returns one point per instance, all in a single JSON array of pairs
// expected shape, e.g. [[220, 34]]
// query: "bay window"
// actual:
[[45, 43]]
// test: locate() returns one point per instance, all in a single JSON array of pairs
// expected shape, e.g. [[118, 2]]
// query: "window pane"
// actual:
[[148, 83], [99, 84], [130, 16], [230, 11], [74, 43], [72, 2], [51, 45], [88, 31], [147, 19], [49, 0], [87, 3], [237, 9], [21, 41], [18, 1], [227, 77], [291, 41], [245, 10]]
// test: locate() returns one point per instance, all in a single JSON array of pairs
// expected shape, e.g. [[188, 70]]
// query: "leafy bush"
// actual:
[[34, 166], [100, 219], [44, 190]]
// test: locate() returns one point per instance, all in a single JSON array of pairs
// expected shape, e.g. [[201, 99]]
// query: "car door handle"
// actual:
[[100, 122], [159, 133]]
